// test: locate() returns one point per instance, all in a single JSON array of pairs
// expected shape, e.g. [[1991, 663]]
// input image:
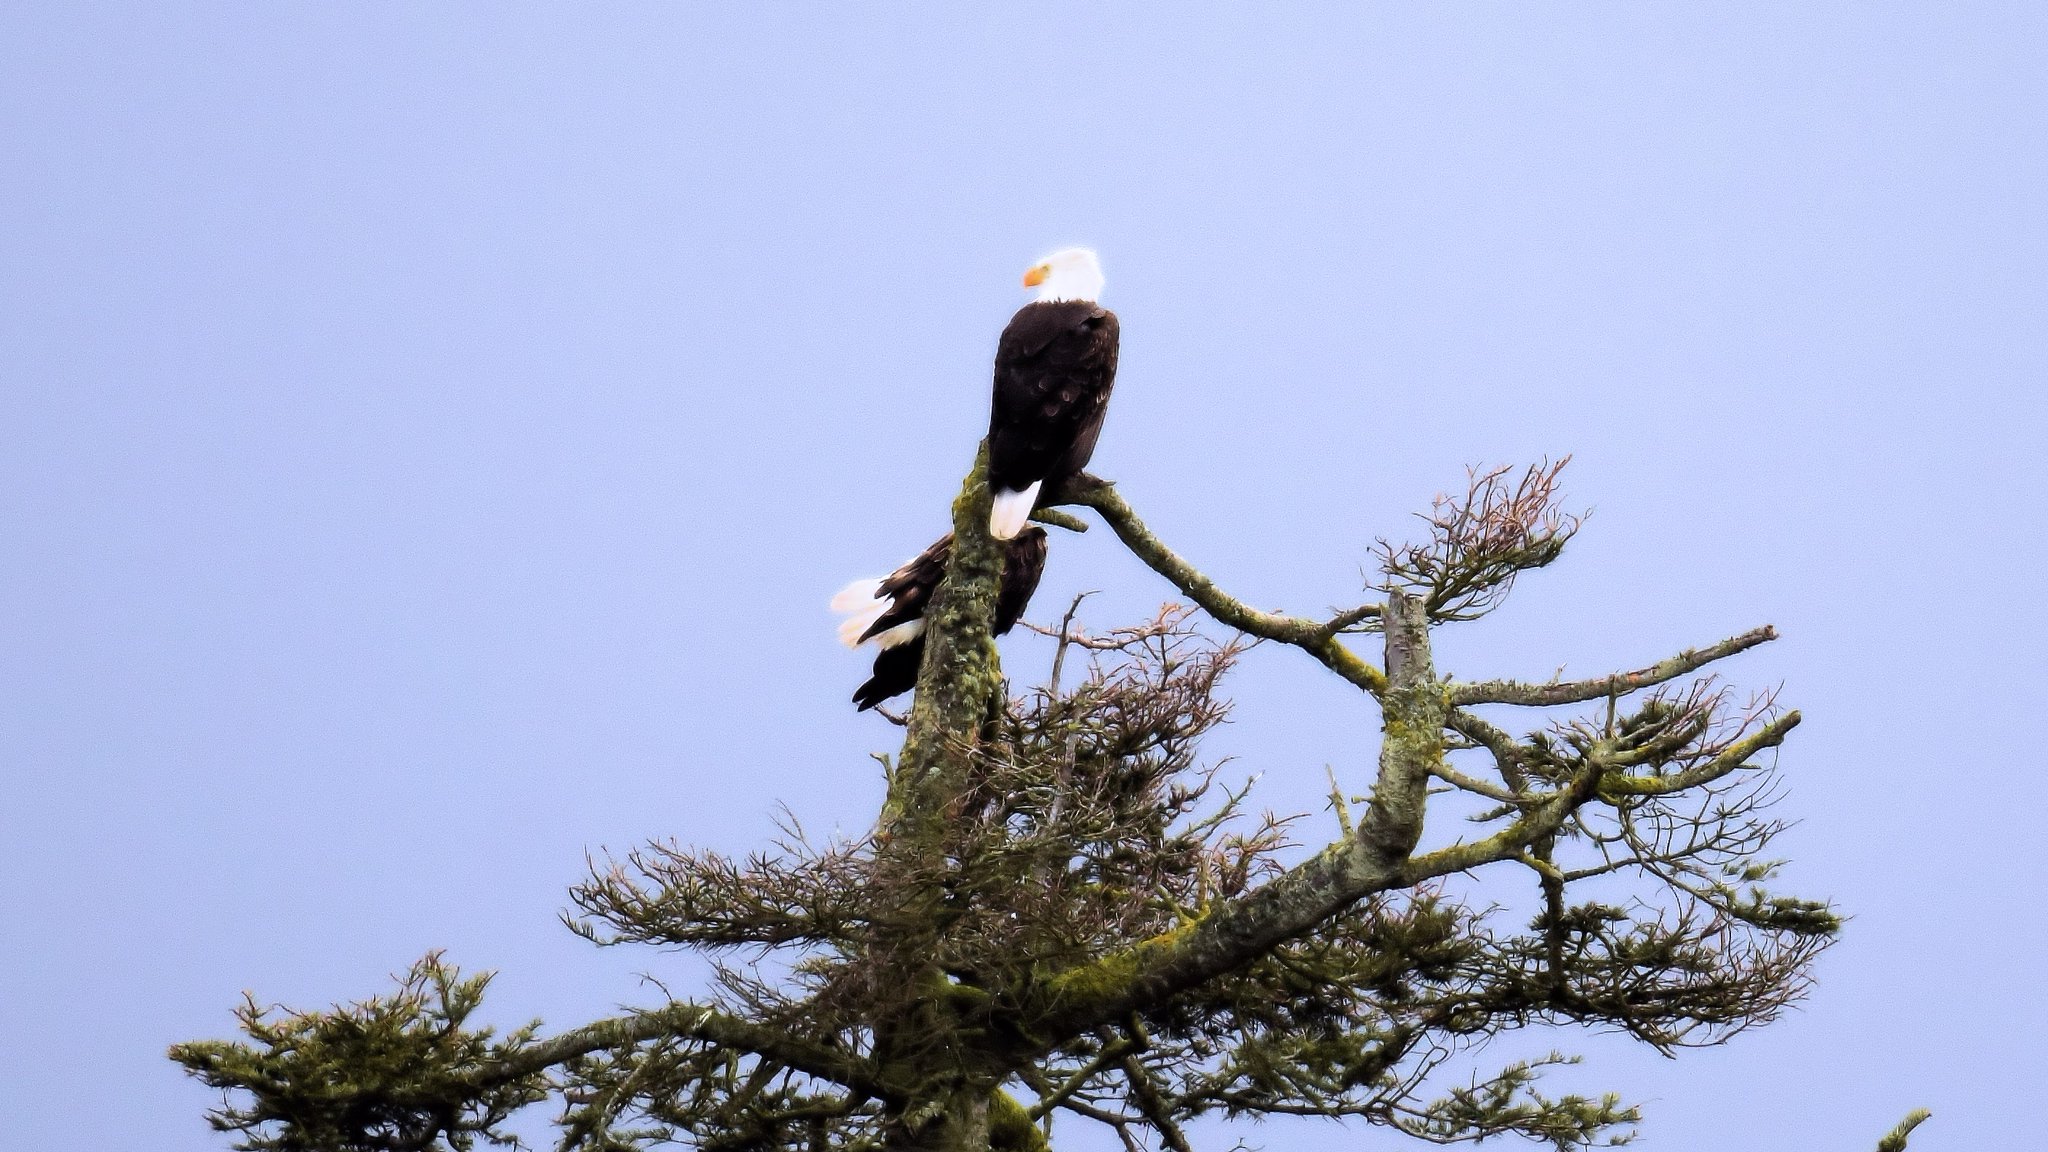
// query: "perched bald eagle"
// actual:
[[1055, 366], [890, 612]]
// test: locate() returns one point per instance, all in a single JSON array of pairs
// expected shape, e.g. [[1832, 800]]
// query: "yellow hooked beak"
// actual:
[[1036, 276]]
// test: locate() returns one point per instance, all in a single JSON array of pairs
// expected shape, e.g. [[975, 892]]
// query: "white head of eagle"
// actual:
[[1068, 274], [1055, 365]]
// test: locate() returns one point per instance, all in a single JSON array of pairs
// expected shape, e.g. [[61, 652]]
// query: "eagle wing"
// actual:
[[1023, 564], [1055, 365], [910, 588]]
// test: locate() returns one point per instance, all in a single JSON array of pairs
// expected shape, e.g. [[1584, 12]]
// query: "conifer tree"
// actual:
[[1064, 912]]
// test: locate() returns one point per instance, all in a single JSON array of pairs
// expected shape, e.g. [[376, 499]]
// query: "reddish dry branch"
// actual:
[[1479, 542]]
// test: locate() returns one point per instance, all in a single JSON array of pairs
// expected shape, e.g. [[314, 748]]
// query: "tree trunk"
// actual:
[[954, 1122], [959, 688]]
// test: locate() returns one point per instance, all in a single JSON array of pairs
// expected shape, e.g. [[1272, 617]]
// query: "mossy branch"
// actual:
[[960, 683], [690, 1021], [1735, 756], [1895, 1140], [1059, 519], [1316, 637], [1620, 684], [1368, 861]]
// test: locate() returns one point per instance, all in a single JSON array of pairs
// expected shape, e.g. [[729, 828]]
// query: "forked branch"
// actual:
[[1478, 544]]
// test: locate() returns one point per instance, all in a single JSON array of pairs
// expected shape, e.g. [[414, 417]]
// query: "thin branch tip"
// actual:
[[1895, 1140], [1059, 519]]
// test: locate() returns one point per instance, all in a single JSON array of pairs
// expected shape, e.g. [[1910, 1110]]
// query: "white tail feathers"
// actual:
[[857, 602], [1007, 516], [861, 594], [903, 633], [861, 603]]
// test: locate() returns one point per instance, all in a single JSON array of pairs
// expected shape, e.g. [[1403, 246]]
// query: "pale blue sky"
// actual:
[[429, 433]]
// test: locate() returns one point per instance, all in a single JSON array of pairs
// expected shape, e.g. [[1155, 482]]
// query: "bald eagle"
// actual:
[[890, 612], [1055, 365]]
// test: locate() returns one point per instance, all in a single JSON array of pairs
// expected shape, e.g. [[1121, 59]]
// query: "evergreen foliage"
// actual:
[[1064, 910]]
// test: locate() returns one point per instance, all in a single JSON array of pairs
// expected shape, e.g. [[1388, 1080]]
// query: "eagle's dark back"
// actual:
[[1055, 366]]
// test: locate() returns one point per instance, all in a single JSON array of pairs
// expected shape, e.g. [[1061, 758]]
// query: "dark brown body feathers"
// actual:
[[910, 589], [1055, 366]]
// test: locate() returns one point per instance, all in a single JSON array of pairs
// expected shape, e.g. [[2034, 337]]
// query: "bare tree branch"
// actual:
[[1112, 1052], [1480, 542], [1059, 519], [1738, 754], [693, 1021], [1317, 638], [1619, 684], [1506, 751]]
